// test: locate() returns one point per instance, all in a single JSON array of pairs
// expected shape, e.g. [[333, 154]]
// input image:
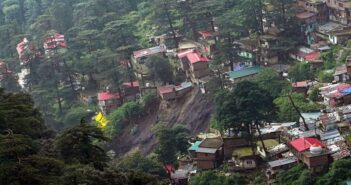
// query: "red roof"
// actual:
[[301, 83], [312, 56], [54, 41], [103, 96], [184, 53], [169, 168], [342, 87], [166, 89], [305, 15], [303, 144], [133, 84], [196, 57], [205, 34]]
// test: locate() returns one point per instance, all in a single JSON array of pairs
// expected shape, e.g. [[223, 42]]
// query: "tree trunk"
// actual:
[[191, 23], [69, 77], [171, 24], [298, 112], [260, 136], [283, 12], [213, 29], [259, 17], [230, 47]]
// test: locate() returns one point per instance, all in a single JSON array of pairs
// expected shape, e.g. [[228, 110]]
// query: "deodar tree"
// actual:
[[245, 109]]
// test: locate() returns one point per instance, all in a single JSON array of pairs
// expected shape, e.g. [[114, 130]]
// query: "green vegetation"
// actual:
[[30, 153], [212, 178], [268, 143], [300, 72], [337, 174], [243, 152], [171, 142], [252, 105], [269, 80], [129, 113], [325, 76], [286, 111]]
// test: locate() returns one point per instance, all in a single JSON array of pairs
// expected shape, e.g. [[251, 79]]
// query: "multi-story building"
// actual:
[[339, 11]]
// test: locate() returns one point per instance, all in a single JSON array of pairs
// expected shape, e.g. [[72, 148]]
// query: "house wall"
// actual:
[[205, 165], [168, 96], [248, 163], [183, 91], [200, 73], [339, 11], [300, 89], [316, 163], [347, 100], [205, 156], [199, 66]]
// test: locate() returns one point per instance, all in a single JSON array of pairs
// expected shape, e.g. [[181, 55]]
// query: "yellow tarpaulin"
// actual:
[[101, 120]]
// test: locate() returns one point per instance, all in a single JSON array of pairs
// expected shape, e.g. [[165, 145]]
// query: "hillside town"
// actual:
[[280, 96]]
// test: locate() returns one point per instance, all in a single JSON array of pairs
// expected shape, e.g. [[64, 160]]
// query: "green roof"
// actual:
[[195, 146], [244, 72], [242, 152], [269, 143]]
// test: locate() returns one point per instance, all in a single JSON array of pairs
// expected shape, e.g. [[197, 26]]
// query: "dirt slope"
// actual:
[[193, 110]]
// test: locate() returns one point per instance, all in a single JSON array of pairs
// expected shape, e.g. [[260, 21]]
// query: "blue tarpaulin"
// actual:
[[346, 91]]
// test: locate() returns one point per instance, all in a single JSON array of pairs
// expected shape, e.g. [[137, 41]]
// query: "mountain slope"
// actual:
[[193, 110]]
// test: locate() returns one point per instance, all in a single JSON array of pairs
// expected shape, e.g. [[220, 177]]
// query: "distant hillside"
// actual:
[[194, 110]]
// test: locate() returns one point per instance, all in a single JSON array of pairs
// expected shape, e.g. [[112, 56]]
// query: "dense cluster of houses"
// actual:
[[317, 140], [287, 144]]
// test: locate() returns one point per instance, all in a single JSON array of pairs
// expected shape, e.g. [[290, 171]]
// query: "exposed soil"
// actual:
[[193, 110]]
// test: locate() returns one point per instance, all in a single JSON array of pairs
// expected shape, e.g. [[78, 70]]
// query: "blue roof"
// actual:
[[244, 72], [346, 91], [311, 115], [195, 146]]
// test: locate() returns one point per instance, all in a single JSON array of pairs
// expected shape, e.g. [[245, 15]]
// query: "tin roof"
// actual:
[[103, 96], [206, 150], [303, 144], [149, 51], [282, 162], [195, 146], [244, 72]]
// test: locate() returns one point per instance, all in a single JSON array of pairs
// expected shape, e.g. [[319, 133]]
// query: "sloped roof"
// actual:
[[301, 84], [148, 51], [103, 96], [184, 53], [131, 84], [212, 143], [303, 144], [340, 70], [205, 34], [244, 72], [281, 162], [195, 146], [195, 57], [312, 56], [305, 15], [166, 89], [206, 150]]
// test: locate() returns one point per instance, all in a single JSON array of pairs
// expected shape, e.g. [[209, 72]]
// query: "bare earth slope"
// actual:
[[193, 110]]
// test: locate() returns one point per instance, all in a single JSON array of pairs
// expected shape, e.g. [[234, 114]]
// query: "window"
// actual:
[[249, 162]]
